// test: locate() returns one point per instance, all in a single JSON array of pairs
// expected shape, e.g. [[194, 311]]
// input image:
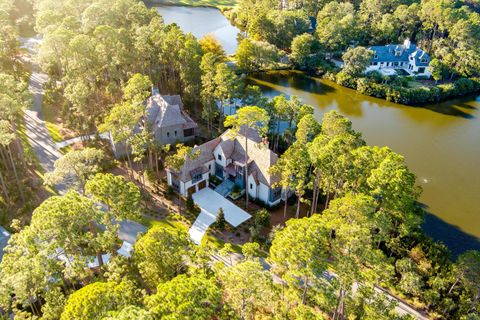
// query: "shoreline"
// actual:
[[325, 77], [174, 3]]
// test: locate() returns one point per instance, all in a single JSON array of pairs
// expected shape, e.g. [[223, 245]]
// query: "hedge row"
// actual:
[[408, 96]]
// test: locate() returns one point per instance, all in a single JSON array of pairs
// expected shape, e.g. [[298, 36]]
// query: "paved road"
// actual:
[[36, 130], [39, 138]]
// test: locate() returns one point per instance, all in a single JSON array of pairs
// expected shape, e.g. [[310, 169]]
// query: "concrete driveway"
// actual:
[[210, 202]]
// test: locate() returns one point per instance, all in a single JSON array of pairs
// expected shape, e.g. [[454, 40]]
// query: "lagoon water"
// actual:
[[441, 143], [202, 21]]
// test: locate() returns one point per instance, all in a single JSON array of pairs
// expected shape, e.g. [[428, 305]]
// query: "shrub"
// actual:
[[464, 85], [330, 76], [374, 76], [169, 192], [250, 250], [396, 88], [190, 205], [255, 235], [215, 180], [262, 218], [220, 222], [346, 80]]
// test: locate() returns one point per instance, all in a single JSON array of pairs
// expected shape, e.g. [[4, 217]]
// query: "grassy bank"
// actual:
[[196, 3]]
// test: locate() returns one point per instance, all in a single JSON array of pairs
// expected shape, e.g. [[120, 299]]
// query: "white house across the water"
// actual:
[[407, 57]]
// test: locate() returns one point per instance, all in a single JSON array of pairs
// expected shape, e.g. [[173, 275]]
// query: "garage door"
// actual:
[[191, 190], [202, 185]]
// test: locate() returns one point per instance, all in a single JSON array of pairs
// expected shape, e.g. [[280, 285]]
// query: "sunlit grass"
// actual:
[[175, 224], [49, 116]]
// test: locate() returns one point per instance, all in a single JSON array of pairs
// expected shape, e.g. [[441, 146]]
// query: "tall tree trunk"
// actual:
[[129, 161], [20, 189], [285, 206], [277, 138], [4, 157], [220, 116], [19, 147], [5, 190], [246, 169], [305, 288], [297, 213], [150, 159], [315, 193], [93, 230], [328, 195], [453, 285]]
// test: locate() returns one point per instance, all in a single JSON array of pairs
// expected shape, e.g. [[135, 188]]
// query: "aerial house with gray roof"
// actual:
[[166, 119], [407, 57], [224, 157]]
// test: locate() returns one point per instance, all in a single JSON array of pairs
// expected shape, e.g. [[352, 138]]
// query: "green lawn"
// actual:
[[199, 3], [49, 116], [415, 84], [168, 223], [165, 223]]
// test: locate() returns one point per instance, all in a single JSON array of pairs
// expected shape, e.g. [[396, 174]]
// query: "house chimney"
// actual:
[[406, 43], [265, 142]]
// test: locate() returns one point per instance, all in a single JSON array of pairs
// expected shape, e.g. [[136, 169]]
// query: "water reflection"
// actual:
[[439, 142]]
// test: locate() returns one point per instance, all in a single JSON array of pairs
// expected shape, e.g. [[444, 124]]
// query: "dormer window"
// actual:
[[424, 60], [398, 53], [375, 56], [219, 157]]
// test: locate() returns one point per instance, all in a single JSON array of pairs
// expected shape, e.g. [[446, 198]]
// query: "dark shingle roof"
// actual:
[[387, 54], [166, 111]]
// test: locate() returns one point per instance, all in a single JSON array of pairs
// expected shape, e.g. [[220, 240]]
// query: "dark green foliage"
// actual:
[[220, 222], [262, 218], [189, 203], [396, 89]]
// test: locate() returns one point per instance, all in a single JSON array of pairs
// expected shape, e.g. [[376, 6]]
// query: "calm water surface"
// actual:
[[202, 21], [440, 144]]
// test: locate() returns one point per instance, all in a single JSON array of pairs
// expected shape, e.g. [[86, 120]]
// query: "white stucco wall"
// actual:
[[253, 191], [405, 66], [211, 163], [189, 184], [219, 151], [184, 186], [263, 192]]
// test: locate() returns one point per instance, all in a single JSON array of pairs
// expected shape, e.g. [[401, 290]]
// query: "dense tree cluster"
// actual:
[[362, 231], [362, 225], [15, 163], [448, 30], [94, 47]]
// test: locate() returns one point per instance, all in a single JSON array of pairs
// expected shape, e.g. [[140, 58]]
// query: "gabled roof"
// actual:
[[260, 157], [422, 59], [167, 111], [197, 165], [387, 53]]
